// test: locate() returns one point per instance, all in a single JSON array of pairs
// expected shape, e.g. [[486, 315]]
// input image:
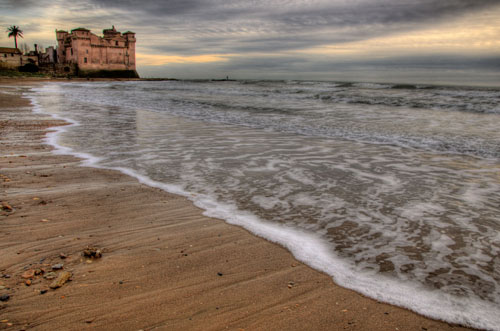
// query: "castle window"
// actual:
[[87, 51], [116, 43], [84, 60], [71, 51]]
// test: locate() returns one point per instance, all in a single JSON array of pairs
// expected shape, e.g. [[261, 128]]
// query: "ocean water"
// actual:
[[393, 190]]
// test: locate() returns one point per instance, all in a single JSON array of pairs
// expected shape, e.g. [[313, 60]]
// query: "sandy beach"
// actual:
[[164, 265]]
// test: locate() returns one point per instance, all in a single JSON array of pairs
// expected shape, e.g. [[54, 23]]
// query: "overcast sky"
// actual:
[[371, 40]]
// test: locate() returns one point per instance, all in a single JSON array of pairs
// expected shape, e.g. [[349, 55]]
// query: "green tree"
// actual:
[[15, 32]]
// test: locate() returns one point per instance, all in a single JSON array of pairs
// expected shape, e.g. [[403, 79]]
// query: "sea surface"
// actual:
[[393, 190]]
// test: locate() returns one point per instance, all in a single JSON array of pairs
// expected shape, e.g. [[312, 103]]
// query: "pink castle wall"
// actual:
[[113, 51]]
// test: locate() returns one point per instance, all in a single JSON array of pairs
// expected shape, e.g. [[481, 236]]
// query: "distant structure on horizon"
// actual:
[[86, 54]]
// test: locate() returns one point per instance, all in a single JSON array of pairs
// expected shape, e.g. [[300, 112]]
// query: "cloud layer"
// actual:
[[302, 36], [219, 26]]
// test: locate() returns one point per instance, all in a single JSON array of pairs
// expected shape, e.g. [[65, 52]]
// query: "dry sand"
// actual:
[[164, 265]]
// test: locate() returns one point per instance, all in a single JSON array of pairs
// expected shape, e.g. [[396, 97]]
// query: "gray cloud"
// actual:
[[190, 27], [219, 26], [254, 28], [304, 12], [18, 4], [298, 14]]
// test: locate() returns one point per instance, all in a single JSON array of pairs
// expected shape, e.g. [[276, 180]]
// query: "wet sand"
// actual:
[[164, 265]]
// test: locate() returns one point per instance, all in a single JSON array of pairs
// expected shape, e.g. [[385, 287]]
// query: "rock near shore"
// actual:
[[61, 280]]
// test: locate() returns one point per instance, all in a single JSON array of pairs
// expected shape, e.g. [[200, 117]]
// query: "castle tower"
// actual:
[[130, 54], [61, 39]]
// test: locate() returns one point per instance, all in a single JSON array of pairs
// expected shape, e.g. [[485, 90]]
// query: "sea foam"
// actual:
[[313, 249]]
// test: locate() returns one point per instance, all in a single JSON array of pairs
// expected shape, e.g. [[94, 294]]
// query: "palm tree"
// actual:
[[15, 32]]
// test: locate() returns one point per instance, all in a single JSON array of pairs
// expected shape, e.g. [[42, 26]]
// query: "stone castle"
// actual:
[[113, 51], [82, 53]]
